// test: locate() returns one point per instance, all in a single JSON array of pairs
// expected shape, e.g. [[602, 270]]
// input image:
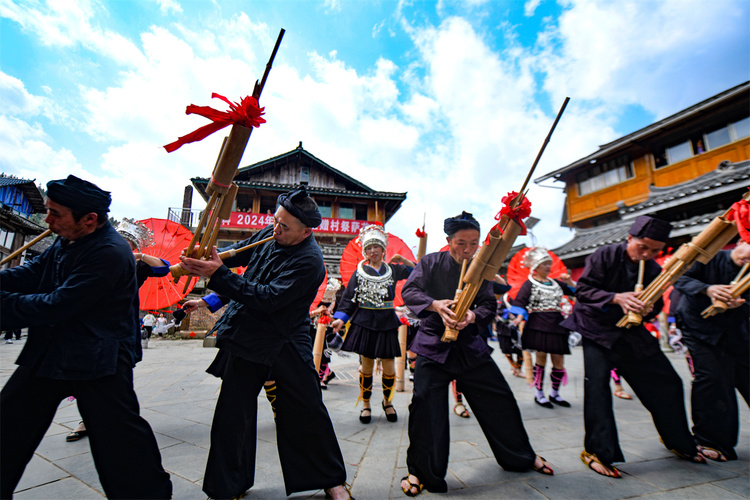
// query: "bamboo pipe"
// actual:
[[739, 285], [201, 224], [634, 317], [451, 334], [401, 360], [26, 246], [320, 337], [177, 271]]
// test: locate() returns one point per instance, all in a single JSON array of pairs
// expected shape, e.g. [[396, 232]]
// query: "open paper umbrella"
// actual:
[[353, 255], [519, 273], [321, 292], [170, 239]]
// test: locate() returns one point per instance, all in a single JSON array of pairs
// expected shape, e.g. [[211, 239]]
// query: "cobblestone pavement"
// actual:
[[177, 398]]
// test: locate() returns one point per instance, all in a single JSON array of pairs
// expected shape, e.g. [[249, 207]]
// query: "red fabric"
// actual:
[[320, 293], [421, 234], [740, 214], [323, 319], [517, 213], [247, 114], [403, 320]]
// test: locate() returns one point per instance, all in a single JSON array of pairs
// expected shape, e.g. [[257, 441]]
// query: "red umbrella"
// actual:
[[518, 273], [321, 292], [353, 254], [170, 239]]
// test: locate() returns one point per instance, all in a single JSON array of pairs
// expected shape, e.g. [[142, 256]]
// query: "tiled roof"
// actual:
[[28, 188], [19, 223], [727, 177], [310, 189]]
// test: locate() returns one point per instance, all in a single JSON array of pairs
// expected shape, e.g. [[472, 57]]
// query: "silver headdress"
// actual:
[[332, 287], [372, 235], [536, 256], [136, 233]]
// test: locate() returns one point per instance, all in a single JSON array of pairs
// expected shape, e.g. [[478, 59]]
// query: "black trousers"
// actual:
[[308, 450], [719, 370], [494, 407], [656, 384], [122, 443]]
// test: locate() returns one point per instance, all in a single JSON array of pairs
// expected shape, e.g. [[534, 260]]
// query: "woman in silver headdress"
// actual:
[[539, 304], [368, 304]]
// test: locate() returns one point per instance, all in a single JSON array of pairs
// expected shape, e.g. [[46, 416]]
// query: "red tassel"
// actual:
[[247, 113], [420, 233], [740, 214]]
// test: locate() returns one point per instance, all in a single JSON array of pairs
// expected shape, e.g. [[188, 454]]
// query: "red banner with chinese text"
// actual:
[[250, 220]]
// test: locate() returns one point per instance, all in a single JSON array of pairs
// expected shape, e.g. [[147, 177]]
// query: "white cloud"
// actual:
[[16, 100], [530, 7]]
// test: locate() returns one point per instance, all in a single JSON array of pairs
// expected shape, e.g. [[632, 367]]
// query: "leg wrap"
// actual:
[[271, 396], [615, 376], [558, 376], [456, 394], [538, 377], [365, 386], [388, 381]]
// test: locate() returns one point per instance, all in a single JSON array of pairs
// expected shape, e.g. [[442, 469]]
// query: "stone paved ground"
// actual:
[[177, 398]]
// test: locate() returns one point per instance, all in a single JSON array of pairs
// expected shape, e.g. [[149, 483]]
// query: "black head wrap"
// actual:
[[310, 218], [459, 222], [80, 195], [650, 227]]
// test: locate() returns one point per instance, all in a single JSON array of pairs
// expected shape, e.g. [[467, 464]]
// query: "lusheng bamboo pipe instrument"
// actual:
[[487, 262], [634, 317], [320, 337], [220, 187], [26, 246], [702, 248], [401, 360], [739, 286], [177, 271], [451, 334], [422, 249]]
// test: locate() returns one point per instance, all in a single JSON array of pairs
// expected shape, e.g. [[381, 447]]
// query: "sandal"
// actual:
[[365, 419], [75, 436], [544, 469], [623, 395], [346, 487], [408, 491], [698, 458], [391, 417], [718, 457], [590, 459], [462, 412]]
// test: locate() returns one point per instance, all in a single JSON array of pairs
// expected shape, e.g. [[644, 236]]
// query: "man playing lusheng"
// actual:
[[720, 348], [265, 330], [429, 293], [604, 293], [80, 302]]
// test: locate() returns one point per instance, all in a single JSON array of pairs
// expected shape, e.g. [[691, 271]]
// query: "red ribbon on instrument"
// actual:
[[420, 233], [324, 319], [247, 113], [740, 213], [517, 213], [403, 320]]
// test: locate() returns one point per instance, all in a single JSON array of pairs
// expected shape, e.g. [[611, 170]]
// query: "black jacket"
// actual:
[[80, 302]]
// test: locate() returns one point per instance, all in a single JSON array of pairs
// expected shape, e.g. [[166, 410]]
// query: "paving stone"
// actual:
[[38, 472], [739, 485], [700, 492], [82, 468], [671, 473], [65, 489]]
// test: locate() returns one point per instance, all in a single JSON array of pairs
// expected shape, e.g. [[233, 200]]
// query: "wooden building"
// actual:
[[345, 203], [20, 199], [686, 169]]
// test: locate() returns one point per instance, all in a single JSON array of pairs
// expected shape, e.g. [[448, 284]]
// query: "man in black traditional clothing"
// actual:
[[429, 293], [80, 302], [607, 282], [265, 329], [720, 348]]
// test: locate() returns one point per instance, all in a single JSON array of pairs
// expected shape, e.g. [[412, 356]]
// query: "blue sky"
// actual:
[[449, 100]]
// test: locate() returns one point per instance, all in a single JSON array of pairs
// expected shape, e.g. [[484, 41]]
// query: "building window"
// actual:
[[6, 238], [679, 152], [325, 208], [741, 129], [604, 175], [718, 138], [346, 211]]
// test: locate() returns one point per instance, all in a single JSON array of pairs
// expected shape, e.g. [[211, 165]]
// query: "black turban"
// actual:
[[79, 195], [650, 227], [310, 218], [459, 222]]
